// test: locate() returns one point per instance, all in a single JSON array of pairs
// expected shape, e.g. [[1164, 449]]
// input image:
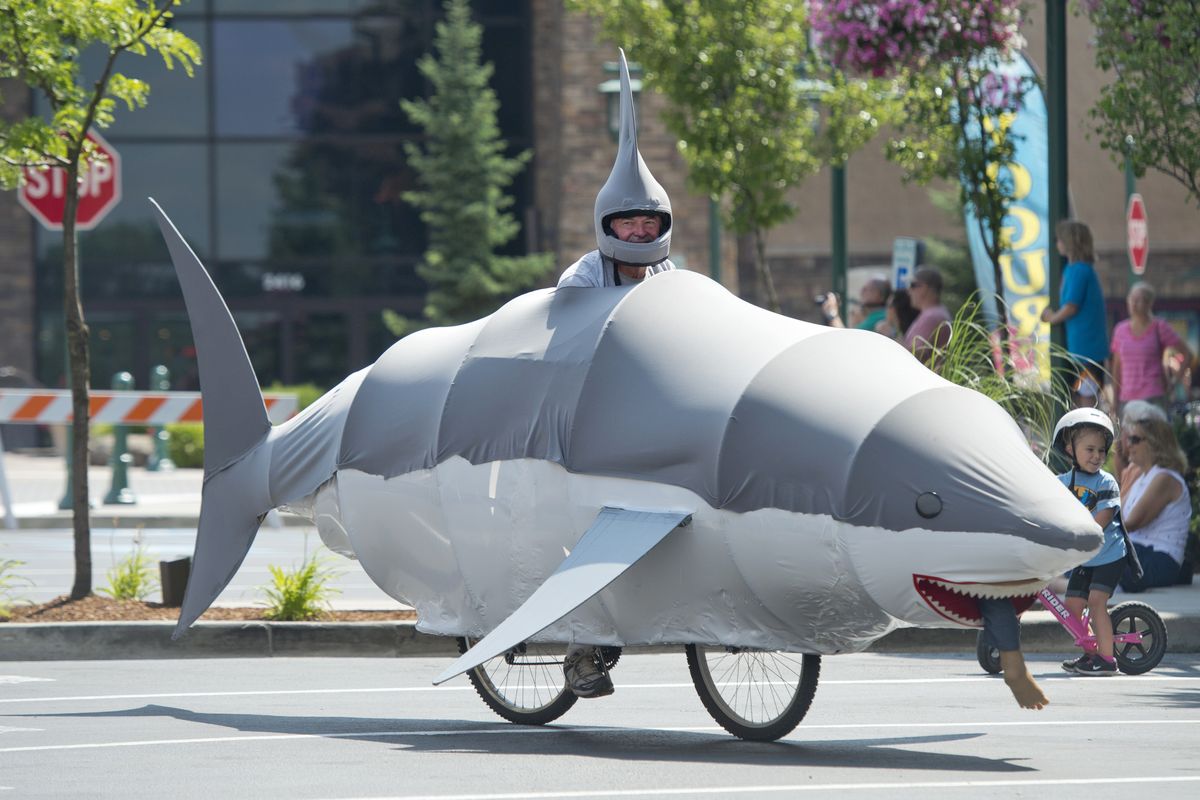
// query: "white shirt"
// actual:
[[1167, 533], [596, 270]]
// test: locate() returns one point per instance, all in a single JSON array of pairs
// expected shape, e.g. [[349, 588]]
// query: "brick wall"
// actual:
[[16, 261], [574, 151]]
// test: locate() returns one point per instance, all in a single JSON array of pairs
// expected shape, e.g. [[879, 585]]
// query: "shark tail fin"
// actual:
[[236, 494]]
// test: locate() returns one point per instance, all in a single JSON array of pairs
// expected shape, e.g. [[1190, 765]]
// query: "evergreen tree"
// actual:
[[462, 174]]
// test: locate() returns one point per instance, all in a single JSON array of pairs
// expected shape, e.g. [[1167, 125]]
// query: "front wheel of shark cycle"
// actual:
[[526, 685], [989, 657], [754, 694], [1134, 658]]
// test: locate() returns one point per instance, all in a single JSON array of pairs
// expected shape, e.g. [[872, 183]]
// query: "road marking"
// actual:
[[502, 730], [467, 688], [803, 787], [4, 729], [21, 679]]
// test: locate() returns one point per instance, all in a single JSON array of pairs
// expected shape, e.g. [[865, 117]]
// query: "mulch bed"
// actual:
[[96, 608]]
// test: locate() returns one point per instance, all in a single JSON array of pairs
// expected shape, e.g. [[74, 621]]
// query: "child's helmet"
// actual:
[[1083, 418]]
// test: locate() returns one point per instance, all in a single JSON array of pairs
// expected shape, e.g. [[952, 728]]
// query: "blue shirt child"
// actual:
[[1099, 491]]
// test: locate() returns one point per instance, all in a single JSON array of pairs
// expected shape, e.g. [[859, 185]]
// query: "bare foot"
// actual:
[[1020, 682]]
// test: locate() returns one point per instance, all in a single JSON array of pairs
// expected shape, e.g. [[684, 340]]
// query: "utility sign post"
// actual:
[[44, 191], [1137, 233]]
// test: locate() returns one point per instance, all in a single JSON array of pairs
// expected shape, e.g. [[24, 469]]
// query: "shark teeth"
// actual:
[[992, 591], [958, 602]]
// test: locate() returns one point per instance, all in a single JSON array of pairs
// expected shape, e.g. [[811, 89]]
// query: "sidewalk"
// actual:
[[164, 520]]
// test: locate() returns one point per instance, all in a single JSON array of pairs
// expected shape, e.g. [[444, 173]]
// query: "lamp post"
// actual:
[[611, 90]]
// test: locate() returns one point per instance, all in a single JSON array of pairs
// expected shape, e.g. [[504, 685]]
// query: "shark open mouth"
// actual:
[[958, 601]]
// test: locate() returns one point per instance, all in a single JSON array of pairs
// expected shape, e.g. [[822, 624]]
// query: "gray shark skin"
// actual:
[[837, 489]]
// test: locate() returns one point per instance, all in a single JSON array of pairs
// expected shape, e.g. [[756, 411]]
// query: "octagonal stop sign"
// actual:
[[1138, 234], [43, 192]]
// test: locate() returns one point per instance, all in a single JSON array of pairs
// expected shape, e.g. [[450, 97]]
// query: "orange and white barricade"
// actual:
[[155, 409]]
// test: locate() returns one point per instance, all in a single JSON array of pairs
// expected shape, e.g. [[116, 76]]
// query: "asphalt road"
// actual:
[[896, 726]]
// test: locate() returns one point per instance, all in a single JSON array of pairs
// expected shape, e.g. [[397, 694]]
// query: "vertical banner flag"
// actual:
[[1025, 266]]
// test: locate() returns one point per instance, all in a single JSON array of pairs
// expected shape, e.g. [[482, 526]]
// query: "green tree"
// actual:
[[947, 62], [1151, 109], [462, 174], [40, 44], [747, 127]]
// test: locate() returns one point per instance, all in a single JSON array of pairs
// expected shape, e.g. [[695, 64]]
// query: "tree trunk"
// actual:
[[764, 269], [79, 368]]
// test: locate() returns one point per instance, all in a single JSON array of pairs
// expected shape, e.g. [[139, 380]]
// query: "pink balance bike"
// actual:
[[1139, 635]]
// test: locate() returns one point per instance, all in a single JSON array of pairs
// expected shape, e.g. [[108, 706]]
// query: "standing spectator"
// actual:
[[930, 331], [872, 306], [1158, 509], [900, 315], [1081, 308], [1138, 347]]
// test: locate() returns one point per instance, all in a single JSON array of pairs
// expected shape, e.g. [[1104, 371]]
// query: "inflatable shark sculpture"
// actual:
[[662, 463]]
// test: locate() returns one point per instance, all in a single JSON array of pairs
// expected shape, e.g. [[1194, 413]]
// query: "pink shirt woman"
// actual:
[[1138, 344]]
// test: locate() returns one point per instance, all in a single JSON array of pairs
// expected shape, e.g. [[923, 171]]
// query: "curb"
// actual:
[[64, 521], [75, 641]]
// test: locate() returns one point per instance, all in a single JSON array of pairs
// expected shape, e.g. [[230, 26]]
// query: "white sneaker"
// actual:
[[585, 672]]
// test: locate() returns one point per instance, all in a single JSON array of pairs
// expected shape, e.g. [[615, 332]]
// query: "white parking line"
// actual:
[[467, 688], [803, 787], [21, 679], [501, 730]]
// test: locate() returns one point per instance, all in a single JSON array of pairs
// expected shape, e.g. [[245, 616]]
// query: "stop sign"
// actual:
[[44, 191], [1137, 233]]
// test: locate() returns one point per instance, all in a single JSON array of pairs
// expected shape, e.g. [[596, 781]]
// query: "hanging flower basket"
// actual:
[[882, 38]]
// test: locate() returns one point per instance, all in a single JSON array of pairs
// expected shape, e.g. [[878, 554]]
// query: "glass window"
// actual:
[[314, 200], [178, 105], [288, 77], [303, 7]]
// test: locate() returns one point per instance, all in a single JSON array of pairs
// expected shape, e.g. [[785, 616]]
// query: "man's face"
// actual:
[[870, 294], [639, 229]]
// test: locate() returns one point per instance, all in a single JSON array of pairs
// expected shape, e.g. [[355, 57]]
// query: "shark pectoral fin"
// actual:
[[614, 543]]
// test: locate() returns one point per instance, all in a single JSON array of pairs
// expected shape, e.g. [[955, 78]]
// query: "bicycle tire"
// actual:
[[523, 688], [745, 677], [1135, 659], [988, 656]]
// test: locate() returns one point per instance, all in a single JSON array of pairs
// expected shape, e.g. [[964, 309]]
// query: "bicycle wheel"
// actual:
[[1134, 659], [988, 656], [525, 685], [754, 694]]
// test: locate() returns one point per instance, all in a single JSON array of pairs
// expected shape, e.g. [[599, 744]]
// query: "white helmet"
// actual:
[[1083, 417]]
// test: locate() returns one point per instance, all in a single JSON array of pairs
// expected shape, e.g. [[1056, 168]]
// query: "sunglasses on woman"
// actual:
[[1136, 439]]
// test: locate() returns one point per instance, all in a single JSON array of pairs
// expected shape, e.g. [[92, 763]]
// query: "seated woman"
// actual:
[[1157, 509]]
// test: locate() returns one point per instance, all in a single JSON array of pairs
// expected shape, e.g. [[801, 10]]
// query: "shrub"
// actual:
[[132, 578], [299, 594], [185, 444]]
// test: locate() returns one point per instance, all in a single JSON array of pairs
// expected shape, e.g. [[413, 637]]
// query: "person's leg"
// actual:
[[1158, 569], [1002, 630], [1101, 622], [585, 672]]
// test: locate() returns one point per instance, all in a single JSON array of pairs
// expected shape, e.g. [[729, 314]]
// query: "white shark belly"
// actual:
[[466, 544]]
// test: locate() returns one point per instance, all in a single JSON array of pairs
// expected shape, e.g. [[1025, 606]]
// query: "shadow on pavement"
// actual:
[[622, 744]]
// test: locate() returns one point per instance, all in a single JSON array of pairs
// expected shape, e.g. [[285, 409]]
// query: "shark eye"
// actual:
[[929, 505]]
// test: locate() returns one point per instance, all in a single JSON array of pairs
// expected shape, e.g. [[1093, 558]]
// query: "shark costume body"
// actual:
[[718, 475]]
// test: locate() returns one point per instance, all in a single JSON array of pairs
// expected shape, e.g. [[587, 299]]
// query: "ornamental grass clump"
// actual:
[[9, 581], [1010, 372], [299, 594], [132, 578]]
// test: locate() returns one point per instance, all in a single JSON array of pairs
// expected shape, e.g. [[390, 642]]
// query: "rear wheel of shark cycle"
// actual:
[[989, 657], [526, 685], [754, 694], [1134, 659]]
